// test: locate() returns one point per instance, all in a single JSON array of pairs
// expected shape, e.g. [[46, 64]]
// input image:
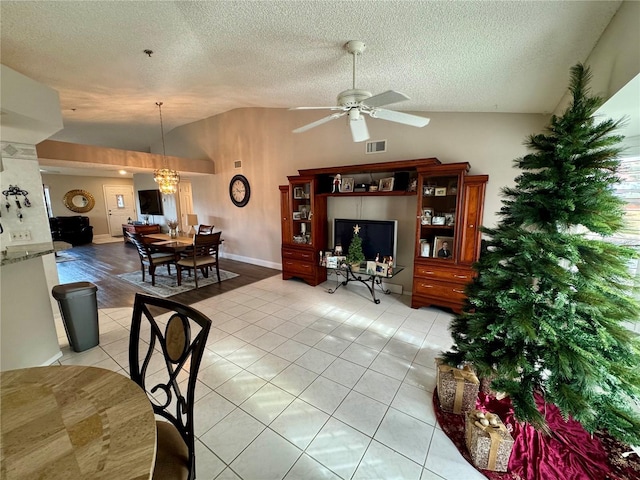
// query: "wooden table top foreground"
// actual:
[[75, 422]]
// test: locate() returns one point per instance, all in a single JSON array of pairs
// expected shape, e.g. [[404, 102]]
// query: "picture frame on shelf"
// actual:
[[442, 251], [332, 262], [449, 219], [438, 220], [373, 188], [297, 216], [425, 248], [426, 217], [347, 185], [382, 269], [441, 192], [298, 193], [304, 212], [452, 188], [385, 184], [428, 190]]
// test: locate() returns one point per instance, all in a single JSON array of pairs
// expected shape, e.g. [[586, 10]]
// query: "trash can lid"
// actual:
[[67, 290]]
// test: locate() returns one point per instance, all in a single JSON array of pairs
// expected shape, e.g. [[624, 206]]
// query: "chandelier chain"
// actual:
[[166, 178]]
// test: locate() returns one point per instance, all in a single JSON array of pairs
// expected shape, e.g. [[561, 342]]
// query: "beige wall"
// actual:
[[262, 140], [59, 185]]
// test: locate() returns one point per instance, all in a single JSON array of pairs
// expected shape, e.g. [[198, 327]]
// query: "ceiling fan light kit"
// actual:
[[356, 102]]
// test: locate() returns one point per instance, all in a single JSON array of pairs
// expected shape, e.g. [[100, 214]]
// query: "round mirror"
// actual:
[[79, 201]]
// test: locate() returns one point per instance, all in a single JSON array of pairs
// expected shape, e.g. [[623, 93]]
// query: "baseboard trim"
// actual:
[[252, 261], [52, 360]]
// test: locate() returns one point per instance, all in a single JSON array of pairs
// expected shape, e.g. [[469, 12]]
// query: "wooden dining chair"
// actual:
[[170, 349], [149, 257], [202, 255], [205, 229]]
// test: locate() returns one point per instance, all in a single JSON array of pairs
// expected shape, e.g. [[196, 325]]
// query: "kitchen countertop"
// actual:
[[20, 253]]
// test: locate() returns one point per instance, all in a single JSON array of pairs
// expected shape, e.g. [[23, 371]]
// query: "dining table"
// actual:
[[75, 422], [165, 242]]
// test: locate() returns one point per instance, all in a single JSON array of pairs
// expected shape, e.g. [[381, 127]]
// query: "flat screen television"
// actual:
[[378, 236], [150, 202]]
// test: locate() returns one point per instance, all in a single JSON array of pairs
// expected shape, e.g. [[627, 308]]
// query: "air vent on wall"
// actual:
[[237, 164], [377, 146]]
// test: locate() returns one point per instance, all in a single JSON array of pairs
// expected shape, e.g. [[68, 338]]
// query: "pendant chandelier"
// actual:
[[166, 178]]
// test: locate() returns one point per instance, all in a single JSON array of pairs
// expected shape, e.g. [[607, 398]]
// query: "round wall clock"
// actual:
[[239, 190]]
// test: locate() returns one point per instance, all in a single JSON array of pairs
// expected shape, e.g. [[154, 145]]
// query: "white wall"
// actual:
[[27, 331], [59, 185]]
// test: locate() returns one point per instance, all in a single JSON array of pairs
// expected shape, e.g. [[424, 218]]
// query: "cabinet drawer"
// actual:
[[291, 254], [296, 266], [447, 290], [449, 275]]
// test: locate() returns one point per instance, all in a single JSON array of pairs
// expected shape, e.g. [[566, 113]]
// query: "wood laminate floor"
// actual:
[[100, 265]]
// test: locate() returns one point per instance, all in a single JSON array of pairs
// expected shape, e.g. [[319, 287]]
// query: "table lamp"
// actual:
[[192, 219]]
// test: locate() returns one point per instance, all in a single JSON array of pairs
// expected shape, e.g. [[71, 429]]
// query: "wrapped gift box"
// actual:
[[457, 388], [488, 440]]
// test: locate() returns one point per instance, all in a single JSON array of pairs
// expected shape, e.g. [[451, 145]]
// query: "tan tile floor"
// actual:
[[300, 384]]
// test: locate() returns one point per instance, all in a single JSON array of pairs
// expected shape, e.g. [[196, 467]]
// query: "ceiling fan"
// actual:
[[355, 103]]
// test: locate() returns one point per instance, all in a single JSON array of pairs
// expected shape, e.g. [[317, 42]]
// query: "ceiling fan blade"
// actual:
[[319, 122], [359, 130], [317, 108], [399, 117], [385, 98]]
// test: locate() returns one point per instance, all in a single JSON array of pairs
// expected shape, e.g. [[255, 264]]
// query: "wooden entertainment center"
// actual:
[[449, 208]]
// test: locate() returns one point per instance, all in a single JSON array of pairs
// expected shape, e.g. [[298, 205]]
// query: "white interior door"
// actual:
[[186, 204], [120, 205]]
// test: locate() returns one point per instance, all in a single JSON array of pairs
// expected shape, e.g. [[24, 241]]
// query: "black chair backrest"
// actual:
[[181, 345], [206, 244], [136, 239], [206, 229]]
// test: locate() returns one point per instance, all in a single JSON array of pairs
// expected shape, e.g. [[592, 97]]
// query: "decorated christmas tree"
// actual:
[[355, 255], [545, 314]]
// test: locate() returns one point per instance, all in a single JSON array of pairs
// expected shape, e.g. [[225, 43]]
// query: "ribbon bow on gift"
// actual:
[[494, 427], [460, 376]]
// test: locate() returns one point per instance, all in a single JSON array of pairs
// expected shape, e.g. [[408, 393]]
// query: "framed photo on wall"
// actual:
[[443, 247]]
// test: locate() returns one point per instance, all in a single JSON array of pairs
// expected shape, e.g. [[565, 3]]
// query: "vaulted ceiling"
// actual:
[[214, 56]]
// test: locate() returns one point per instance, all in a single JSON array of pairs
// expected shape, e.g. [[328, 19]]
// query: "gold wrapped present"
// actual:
[[457, 389], [488, 440]]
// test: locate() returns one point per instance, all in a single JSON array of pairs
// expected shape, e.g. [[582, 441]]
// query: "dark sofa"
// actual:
[[74, 230]]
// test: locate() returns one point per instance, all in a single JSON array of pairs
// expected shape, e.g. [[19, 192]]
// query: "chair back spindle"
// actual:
[[174, 340]]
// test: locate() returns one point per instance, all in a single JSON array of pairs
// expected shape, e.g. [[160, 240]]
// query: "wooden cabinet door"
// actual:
[[473, 203], [285, 220]]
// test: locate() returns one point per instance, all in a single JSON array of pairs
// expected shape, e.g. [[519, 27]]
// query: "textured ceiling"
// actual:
[[211, 57]]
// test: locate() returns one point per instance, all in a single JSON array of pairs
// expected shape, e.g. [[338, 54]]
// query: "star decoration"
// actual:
[[356, 229]]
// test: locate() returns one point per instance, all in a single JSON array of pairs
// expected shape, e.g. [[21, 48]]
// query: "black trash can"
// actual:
[[79, 309]]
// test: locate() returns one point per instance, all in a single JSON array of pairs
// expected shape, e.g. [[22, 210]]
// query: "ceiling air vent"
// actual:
[[377, 146], [237, 164]]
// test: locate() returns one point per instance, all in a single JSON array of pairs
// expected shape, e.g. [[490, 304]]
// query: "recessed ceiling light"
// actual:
[[122, 172]]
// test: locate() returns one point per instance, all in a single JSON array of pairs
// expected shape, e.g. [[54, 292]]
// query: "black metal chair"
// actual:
[[178, 346], [203, 255], [205, 229], [150, 257]]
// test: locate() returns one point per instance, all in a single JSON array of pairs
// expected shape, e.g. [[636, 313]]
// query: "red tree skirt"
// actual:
[[571, 454]]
